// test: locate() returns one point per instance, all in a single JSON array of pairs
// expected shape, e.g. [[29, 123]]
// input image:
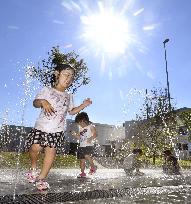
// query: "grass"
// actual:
[[184, 164], [10, 160]]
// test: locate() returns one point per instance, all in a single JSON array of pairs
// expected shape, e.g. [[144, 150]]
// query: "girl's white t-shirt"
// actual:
[[85, 133], [62, 102]]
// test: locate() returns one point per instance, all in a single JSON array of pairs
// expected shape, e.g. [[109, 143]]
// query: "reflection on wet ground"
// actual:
[[106, 186]]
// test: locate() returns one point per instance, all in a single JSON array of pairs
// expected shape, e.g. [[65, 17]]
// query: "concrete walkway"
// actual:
[[106, 183]]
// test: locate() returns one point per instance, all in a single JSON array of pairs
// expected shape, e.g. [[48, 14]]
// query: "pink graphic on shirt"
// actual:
[[83, 135]]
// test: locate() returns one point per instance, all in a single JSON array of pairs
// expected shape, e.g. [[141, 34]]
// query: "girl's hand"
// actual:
[[46, 106], [87, 102]]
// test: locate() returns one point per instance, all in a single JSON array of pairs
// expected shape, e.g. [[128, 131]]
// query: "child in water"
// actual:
[[132, 162], [55, 102], [87, 133], [170, 165]]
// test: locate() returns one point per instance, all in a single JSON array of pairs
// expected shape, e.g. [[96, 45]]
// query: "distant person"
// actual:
[[170, 165], [86, 135], [132, 164], [55, 102]]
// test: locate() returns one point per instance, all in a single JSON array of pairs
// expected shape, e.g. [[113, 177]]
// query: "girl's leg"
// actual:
[[82, 165], [49, 157], [89, 158], [33, 153]]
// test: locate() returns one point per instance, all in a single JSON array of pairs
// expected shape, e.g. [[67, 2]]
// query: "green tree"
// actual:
[[156, 125], [46, 67]]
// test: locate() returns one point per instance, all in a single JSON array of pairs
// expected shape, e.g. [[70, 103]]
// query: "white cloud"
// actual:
[[71, 5], [150, 27], [67, 46], [58, 22], [138, 12], [12, 27]]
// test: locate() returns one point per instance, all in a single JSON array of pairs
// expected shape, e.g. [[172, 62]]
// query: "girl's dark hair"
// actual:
[[83, 116], [135, 151], [59, 68]]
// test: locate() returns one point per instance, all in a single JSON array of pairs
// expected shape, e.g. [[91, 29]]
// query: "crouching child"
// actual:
[[170, 165], [132, 163]]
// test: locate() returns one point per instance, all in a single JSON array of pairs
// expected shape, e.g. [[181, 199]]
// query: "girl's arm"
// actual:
[[37, 103], [94, 134], [77, 109]]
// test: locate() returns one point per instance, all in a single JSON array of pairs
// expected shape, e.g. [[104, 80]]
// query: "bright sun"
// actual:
[[107, 31], [111, 29]]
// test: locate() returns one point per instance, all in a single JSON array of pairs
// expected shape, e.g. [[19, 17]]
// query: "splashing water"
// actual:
[[132, 101], [114, 175], [28, 88]]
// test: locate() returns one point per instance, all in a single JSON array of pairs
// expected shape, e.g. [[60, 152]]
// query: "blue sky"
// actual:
[[119, 76]]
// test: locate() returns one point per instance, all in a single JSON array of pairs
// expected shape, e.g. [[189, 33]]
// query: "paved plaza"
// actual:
[[106, 186]]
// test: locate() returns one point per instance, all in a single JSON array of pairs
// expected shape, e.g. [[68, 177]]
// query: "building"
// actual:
[[182, 139], [12, 138], [183, 143], [109, 138]]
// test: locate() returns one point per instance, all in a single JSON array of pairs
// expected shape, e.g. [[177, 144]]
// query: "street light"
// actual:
[[168, 90]]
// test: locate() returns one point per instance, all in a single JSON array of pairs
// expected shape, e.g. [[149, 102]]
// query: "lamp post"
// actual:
[[167, 80], [147, 104]]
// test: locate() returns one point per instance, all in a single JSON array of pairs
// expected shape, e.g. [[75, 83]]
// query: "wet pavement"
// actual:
[[106, 186]]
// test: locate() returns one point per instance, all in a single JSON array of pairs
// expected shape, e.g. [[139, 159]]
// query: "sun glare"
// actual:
[[106, 31], [111, 30]]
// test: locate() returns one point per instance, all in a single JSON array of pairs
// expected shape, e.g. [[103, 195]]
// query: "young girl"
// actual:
[[55, 102], [87, 134]]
